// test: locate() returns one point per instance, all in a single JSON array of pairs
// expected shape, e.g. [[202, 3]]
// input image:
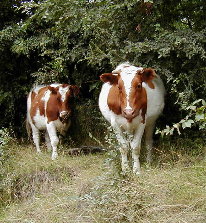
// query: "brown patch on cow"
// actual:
[[37, 103], [147, 75], [113, 100], [53, 105], [109, 77], [53, 90], [33, 95], [138, 97], [144, 111], [64, 85], [117, 97]]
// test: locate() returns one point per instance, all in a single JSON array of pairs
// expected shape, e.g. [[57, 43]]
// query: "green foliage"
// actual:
[[75, 41], [5, 139], [196, 116]]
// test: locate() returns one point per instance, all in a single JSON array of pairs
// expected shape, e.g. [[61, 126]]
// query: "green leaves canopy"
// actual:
[[76, 40]]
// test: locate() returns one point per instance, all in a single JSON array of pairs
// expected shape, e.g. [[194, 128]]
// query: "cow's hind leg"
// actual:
[[36, 137], [53, 138]]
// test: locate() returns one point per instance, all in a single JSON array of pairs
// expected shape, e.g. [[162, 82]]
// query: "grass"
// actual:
[[86, 189]]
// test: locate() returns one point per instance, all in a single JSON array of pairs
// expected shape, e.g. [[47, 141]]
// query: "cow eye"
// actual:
[[139, 85]]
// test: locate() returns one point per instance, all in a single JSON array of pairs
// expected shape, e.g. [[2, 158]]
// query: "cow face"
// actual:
[[127, 96], [61, 97]]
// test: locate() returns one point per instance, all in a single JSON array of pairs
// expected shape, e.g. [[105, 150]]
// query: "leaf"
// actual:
[[199, 117], [177, 125], [192, 107], [187, 123], [93, 86]]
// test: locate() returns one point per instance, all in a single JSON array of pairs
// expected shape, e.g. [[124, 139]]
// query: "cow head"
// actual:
[[61, 96], [127, 96]]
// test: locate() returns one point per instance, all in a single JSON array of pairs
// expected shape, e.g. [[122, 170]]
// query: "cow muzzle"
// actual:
[[129, 114], [64, 115]]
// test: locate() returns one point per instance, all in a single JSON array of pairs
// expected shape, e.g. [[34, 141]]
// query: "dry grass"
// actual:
[[84, 189]]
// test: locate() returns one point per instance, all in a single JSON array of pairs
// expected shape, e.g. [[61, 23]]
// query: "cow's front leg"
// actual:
[[136, 147], [149, 140], [53, 138], [47, 141], [136, 162], [124, 147], [125, 164]]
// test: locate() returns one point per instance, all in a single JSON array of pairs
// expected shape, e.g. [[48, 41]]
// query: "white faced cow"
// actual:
[[49, 109], [131, 100]]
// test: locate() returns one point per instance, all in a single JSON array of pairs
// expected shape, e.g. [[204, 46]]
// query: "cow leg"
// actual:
[[47, 141], [124, 147], [149, 141], [53, 138], [36, 138], [136, 147], [124, 164]]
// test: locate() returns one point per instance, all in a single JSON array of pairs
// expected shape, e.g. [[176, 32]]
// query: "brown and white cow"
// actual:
[[49, 109], [131, 100]]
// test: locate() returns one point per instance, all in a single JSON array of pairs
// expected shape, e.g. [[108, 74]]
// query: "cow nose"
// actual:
[[128, 113], [64, 114]]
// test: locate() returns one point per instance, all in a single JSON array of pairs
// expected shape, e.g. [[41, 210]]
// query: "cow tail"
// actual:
[[28, 129], [28, 125]]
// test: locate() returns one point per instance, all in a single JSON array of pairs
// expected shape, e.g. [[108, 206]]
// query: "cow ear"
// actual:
[[74, 89], [110, 77], [148, 74], [53, 89]]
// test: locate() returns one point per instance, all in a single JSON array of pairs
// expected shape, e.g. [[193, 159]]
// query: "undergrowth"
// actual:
[[90, 188]]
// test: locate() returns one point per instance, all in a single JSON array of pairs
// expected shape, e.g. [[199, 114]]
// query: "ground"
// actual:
[[90, 188]]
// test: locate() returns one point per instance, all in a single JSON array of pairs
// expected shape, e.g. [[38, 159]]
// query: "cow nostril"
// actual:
[[128, 112]]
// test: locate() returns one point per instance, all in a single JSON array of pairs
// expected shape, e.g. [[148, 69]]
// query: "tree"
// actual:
[[75, 41]]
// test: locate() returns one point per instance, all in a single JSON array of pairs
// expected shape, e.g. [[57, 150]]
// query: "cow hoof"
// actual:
[[126, 170], [54, 156], [136, 172]]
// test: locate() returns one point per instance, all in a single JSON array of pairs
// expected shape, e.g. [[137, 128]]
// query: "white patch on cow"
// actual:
[[55, 85], [39, 121], [103, 106], [127, 75], [46, 97], [63, 91], [37, 88], [144, 84]]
